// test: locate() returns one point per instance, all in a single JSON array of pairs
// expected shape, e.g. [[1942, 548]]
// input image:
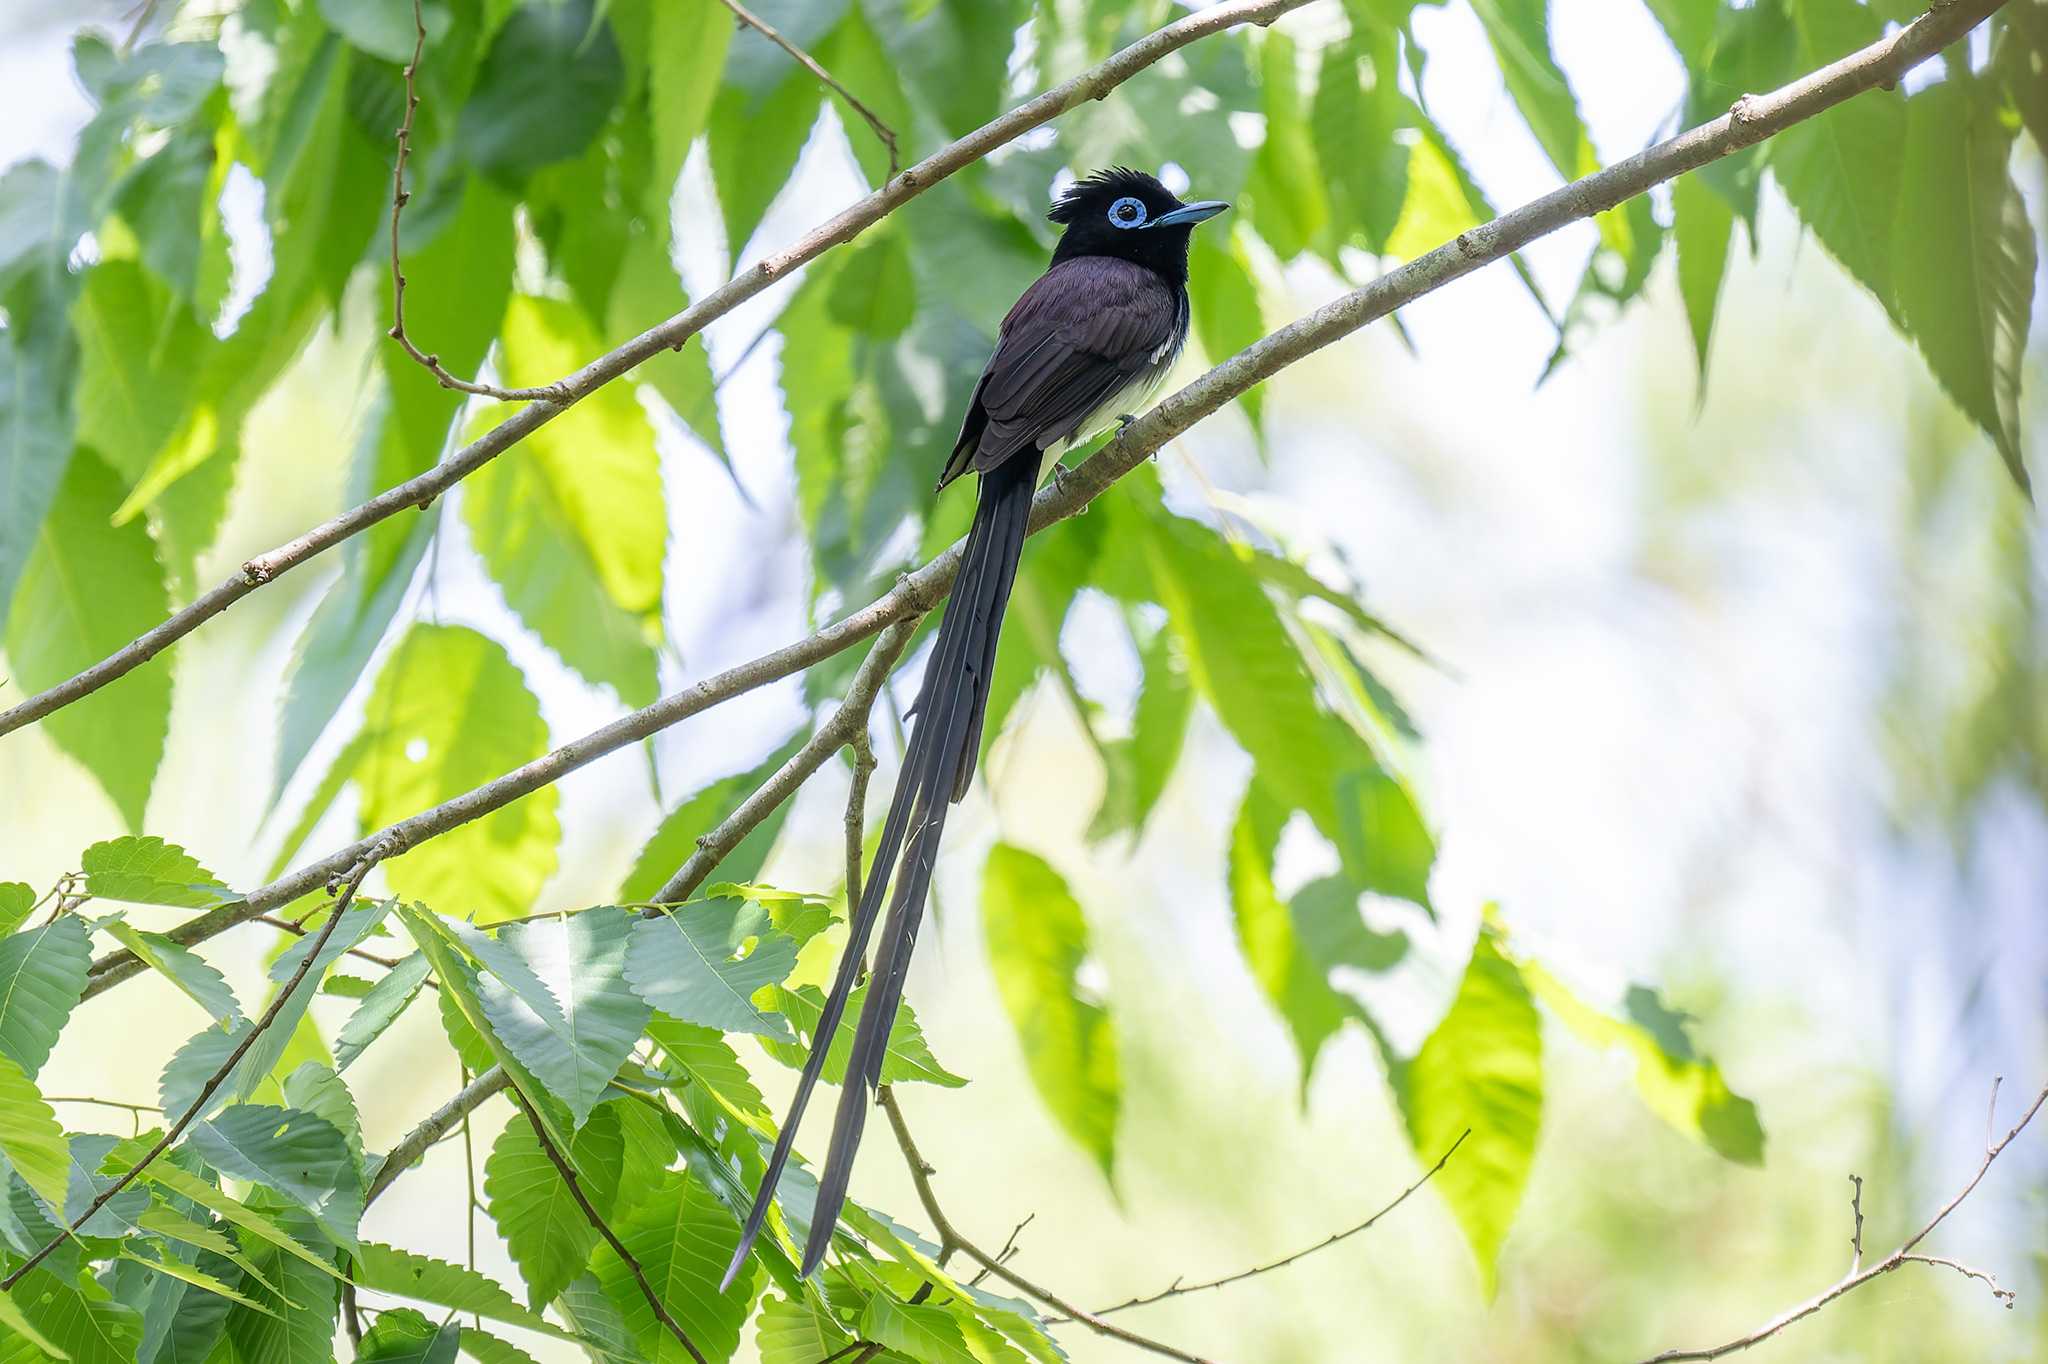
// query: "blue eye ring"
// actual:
[[1127, 212]]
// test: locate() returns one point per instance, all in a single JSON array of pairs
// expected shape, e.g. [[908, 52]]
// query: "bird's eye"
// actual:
[[1127, 212]]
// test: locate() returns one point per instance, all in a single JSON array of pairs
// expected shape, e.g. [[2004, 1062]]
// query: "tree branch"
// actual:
[[1856, 1278], [669, 335], [603, 1228], [400, 196], [213, 1082], [809, 63], [1753, 118], [433, 1128], [950, 1239], [1179, 1289]]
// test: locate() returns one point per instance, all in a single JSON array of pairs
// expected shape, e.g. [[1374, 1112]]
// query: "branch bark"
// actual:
[[668, 335], [1904, 1255]]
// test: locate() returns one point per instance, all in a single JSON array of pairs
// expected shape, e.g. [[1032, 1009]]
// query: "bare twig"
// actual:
[[863, 751], [1177, 1288], [1753, 118], [1904, 1255], [950, 1239], [213, 1082], [351, 1314], [849, 223], [103, 1103], [400, 197], [603, 1228], [433, 1128], [810, 64], [1856, 1237], [1009, 1249]]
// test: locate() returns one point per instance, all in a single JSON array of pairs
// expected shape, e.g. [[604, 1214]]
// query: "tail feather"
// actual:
[[938, 764]]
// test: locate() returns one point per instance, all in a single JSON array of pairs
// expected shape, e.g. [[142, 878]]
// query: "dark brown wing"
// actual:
[[1086, 329]]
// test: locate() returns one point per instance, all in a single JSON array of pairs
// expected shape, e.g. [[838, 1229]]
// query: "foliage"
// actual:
[[548, 143]]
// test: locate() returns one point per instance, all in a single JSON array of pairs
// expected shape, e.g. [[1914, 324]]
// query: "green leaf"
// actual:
[[382, 28], [909, 1056], [86, 1153], [299, 1327], [88, 588], [1679, 1085], [756, 134], [1519, 31], [1287, 201], [545, 88], [140, 356], [2019, 57], [789, 1331], [380, 1008], [30, 1137], [161, 1221], [42, 977], [486, 1348], [573, 526], [405, 1336], [1964, 267], [1225, 305], [928, 1334], [1689, 24], [11, 1318], [80, 1318], [1355, 119], [646, 293], [703, 1056], [1482, 1070], [676, 838], [450, 712], [149, 871], [547, 1233], [1037, 942], [556, 994], [17, 902], [1702, 223], [316, 1088], [387, 1269], [873, 292], [38, 369], [258, 1224], [1295, 982], [682, 962], [682, 1237], [300, 1155], [685, 54], [198, 1278], [183, 967]]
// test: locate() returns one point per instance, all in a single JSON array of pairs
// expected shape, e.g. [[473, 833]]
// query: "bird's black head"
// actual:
[[1130, 215]]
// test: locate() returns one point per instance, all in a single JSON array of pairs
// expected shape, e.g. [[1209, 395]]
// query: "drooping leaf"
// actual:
[[85, 1153], [1355, 120], [547, 1233], [300, 1155], [703, 1055], [316, 1088], [873, 291], [908, 1058], [451, 712], [544, 89], [1519, 31], [30, 1137], [1037, 942], [382, 28], [1702, 223], [38, 369], [760, 120], [1482, 1070], [682, 962], [682, 1238], [198, 1278], [258, 1224], [486, 1348], [1225, 304], [87, 589], [42, 976], [1287, 204], [387, 999], [149, 871], [1280, 961], [686, 53]]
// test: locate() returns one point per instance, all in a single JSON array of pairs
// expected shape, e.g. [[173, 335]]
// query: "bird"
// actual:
[[1087, 344]]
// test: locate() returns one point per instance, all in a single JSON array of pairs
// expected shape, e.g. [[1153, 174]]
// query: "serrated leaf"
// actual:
[[909, 1056], [86, 1151], [382, 28], [17, 902], [12, 1318], [299, 1328], [486, 1348], [547, 1233], [89, 587], [38, 369], [1037, 942], [1701, 223], [1355, 119], [873, 292], [1519, 31], [682, 1238], [702, 1055], [449, 713], [80, 1318], [927, 1334], [260, 1225], [42, 976], [198, 1278], [183, 967], [30, 1137], [682, 962], [1482, 1070], [315, 1088], [1280, 961], [1288, 203], [557, 995], [546, 86], [168, 1224], [388, 998], [425, 1279], [300, 1155], [407, 1337], [797, 1332], [755, 137]]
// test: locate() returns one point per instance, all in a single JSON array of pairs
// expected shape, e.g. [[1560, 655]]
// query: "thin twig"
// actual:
[[206, 1091], [603, 1228], [400, 197], [103, 1103], [351, 1314], [1752, 119], [863, 750], [1904, 1255], [1177, 1288], [1856, 1237], [299, 929], [843, 227], [921, 1172], [1009, 1249], [810, 64], [433, 1128]]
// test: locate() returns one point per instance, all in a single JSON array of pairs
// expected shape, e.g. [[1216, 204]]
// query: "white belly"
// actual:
[[1130, 400]]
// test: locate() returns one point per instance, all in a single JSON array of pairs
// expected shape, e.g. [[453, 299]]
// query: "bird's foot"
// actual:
[[1059, 476], [1123, 422]]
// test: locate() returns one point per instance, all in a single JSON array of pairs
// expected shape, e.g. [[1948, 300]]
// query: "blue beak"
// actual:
[[1187, 215]]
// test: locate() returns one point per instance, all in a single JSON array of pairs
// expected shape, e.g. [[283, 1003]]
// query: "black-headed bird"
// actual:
[[1088, 344]]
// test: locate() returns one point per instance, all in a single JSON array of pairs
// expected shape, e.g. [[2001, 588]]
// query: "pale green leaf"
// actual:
[[1519, 31], [258, 1224], [198, 1278], [183, 967], [12, 1319], [486, 1348], [683, 962], [80, 1318], [908, 1058], [42, 976], [405, 1336], [300, 1155], [17, 902], [425, 1279], [314, 1087], [299, 1326], [790, 1331], [30, 1137], [1037, 942], [546, 1232], [927, 1334], [1702, 223], [1225, 303], [38, 364], [682, 1237], [387, 999]]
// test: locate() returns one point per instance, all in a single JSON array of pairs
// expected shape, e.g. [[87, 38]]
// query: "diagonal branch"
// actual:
[[670, 335], [1904, 1255], [950, 1239], [214, 1082], [1752, 119], [882, 131], [1179, 1289], [603, 1228]]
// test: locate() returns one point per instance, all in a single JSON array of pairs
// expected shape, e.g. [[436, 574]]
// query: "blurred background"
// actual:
[[1741, 692]]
